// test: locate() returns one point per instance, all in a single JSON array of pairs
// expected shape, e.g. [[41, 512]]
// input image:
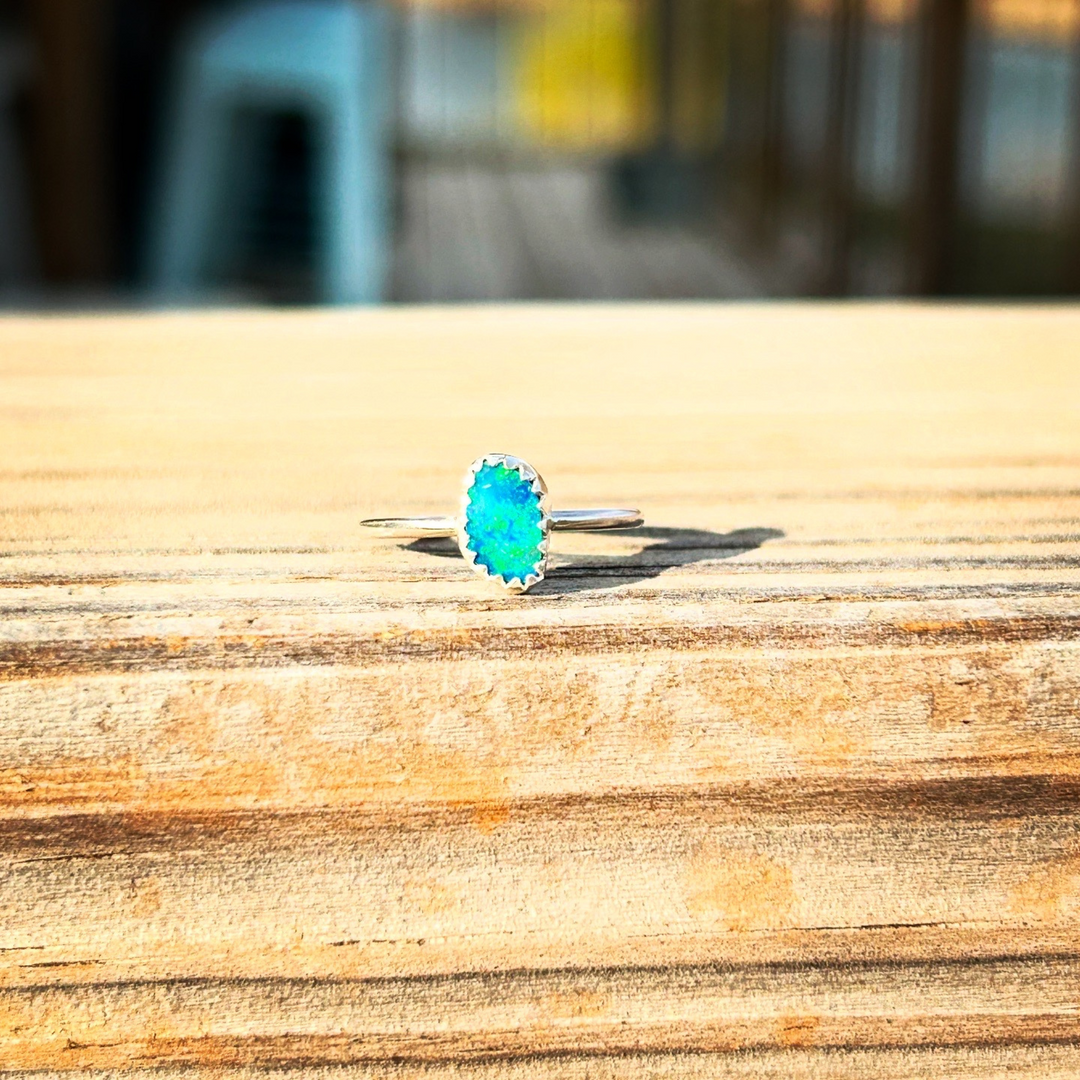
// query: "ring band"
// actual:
[[504, 523], [562, 520]]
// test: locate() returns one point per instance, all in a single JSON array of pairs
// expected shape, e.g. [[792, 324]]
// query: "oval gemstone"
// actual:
[[503, 520]]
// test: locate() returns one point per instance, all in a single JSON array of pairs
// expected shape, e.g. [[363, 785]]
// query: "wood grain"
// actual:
[[786, 784]]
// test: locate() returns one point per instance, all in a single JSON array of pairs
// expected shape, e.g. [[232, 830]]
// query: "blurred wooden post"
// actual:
[[71, 171], [844, 71], [772, 129], [1071, 276], [666, 59], [934, 202]]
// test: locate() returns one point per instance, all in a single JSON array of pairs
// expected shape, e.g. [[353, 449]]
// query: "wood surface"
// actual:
[[783, 785]]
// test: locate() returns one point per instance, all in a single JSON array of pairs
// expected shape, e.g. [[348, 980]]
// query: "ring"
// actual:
[[505, 522]]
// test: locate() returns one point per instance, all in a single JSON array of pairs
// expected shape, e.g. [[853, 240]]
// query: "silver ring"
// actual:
[[504, 525]]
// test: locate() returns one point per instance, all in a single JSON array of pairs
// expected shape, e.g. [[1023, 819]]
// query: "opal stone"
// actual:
[[503, 523]]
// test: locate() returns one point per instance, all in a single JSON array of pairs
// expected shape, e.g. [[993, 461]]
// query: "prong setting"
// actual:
[[519, 583]]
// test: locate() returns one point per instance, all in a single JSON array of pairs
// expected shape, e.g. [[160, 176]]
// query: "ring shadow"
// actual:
[[670, 548]]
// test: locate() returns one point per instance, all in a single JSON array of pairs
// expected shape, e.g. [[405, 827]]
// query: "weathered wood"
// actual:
[[785, 785]]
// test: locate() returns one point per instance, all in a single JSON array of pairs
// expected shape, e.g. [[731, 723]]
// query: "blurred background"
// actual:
[[327, 151]]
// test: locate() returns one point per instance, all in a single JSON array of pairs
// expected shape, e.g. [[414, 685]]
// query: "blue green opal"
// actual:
[[503, 523]]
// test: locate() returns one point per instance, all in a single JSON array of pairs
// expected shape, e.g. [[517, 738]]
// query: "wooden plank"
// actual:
[[785, 784]]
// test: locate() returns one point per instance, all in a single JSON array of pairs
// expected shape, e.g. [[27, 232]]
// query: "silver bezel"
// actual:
[[529, 474]]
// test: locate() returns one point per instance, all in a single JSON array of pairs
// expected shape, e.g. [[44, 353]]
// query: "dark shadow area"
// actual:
[[668, 548]]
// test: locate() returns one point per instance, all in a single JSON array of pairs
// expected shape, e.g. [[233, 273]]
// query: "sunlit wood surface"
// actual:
[[785, 785]]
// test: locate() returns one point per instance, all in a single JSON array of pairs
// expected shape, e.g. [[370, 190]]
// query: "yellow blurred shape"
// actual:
[[582, 77]]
